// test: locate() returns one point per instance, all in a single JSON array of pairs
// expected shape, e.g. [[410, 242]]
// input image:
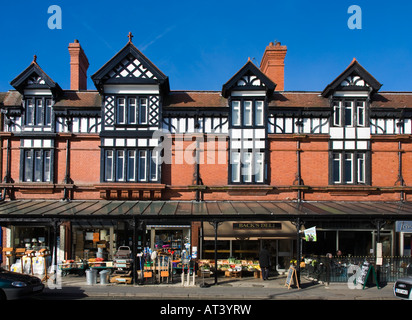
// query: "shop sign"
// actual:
[[403, 226], [257, 226]]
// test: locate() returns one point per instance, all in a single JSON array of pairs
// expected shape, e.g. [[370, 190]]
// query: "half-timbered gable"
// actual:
[[247, 92], [350, 133], [132, 90]]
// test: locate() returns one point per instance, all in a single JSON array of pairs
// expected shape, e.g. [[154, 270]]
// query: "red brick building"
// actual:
[[136, 163]]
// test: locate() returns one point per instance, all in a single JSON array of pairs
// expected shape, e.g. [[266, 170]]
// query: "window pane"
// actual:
[[361, 167], [360, 113], [336, 165], [153, 166], [236, 113], [120, 166], [131, 165], [247, 113], [29, 111], [337, 111], [39, 111], [132, 112], [247, 167], [37, 166], [47, 115], [143, 111], [28, 165], [47, 166], [235, 159], [142, 165], [348, 113], [109, 165], [259, 113], [259, 167], [348, 167], [121, 110]]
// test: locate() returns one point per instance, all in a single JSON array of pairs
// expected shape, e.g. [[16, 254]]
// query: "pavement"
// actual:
[[76, 287]]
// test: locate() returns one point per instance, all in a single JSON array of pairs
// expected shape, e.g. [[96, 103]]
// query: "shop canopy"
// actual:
[[34, 210]]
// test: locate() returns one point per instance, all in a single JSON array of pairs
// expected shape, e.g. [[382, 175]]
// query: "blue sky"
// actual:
[[200, 45]]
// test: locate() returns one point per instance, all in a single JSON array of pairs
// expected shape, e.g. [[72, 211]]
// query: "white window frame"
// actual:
[[361, 167], [142, 154], [337, 113], [362, 117], [109, 157], [236, 117], [351, 109], [337, 161], [259, 112], [247, 113], [235, 163], [143, 111], [132, 111], [349, 158], [259, 169], [131, 165], [121, 107]]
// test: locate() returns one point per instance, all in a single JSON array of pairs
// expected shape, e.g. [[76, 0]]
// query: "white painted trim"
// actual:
[[248, 93], [131, 89]]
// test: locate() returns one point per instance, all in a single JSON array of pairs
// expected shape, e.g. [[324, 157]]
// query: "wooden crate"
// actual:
[[233, 274]]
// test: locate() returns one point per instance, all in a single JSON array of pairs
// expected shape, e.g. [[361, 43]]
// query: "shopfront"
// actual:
[[351, 239], [170, 238], [404, 231], [243, 240]]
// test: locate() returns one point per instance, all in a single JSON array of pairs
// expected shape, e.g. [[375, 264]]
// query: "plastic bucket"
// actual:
[[104, 277], [91, 276]]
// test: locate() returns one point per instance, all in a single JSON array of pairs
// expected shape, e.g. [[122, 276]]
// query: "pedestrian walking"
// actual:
[[264, 263]]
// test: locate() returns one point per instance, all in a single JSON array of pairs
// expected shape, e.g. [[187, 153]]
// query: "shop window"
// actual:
[[31, 238]]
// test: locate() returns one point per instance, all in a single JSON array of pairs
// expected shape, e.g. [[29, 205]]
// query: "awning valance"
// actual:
[[207, 210]]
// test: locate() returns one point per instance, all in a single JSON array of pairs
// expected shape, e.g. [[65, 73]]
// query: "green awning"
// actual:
[[207, 210]]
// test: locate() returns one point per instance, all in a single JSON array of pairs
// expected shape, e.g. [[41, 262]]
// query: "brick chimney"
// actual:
[[273, 64], [78, 67]]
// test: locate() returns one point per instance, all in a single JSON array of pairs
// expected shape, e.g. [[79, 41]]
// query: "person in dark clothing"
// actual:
[[264, 263]]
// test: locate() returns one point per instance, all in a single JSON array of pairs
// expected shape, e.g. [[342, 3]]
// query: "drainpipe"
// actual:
[[67, 174], [7, 177], [400, 179], [67, 179], [298, 178]]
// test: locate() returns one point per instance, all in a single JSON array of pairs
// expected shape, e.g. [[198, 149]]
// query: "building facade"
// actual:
[[217, 174]]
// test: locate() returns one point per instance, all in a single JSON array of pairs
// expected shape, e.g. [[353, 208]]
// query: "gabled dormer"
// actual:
[[355, 81], [247, 92], [248, 79], [33, 78], [350, 155], [132, 87], [130, 67], [38, 93]]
